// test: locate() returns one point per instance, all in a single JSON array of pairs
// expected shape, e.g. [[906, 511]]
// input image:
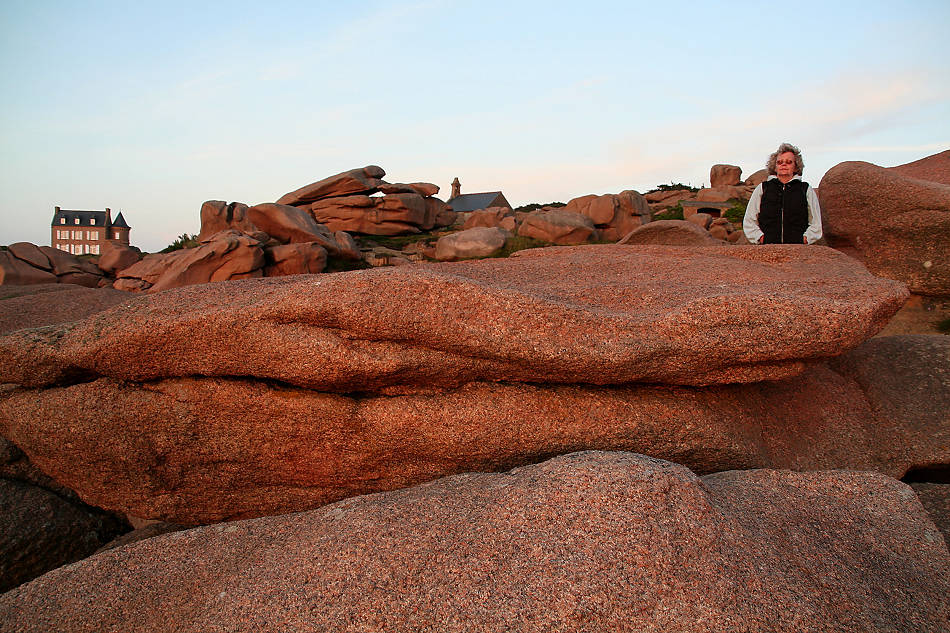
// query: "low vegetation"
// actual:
[[184, 241], [674, 186], [672, 213], [534, 206]]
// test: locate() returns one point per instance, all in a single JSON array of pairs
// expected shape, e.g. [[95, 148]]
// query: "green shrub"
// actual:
[[674, 186], [184, 241], [736, 212], [673, 213], [534, 206], [520, 243]]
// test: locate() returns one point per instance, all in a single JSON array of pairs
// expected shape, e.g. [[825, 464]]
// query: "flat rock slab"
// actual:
[[600, 314], [66, 303], [202, 450], [585, 542]]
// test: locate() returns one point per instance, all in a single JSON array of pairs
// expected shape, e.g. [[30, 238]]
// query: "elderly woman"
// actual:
[[783, 209]]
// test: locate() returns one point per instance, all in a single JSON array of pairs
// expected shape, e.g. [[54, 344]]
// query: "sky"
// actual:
[[152, 108]]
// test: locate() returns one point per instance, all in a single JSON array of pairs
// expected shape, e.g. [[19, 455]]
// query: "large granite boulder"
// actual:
[[673, 233], [724, 175], [480, 241], [69, 302], [602, 314], [40, 531], [558, 226], [24, 263], [200, 450], [300, 258], [898, 226], [116, 257], [589, 541], [366, 180], [614, 215], [224, 256], [935, 168], [501, 217], [391, 214]]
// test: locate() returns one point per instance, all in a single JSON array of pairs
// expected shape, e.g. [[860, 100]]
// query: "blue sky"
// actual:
[[152, 109]]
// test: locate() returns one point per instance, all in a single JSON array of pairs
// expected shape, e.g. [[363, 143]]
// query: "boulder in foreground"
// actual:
[[591, 314], [897, 225], [202, 450], [584, 542]]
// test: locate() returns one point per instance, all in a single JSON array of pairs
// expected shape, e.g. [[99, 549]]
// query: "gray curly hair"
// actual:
[[786, 147]]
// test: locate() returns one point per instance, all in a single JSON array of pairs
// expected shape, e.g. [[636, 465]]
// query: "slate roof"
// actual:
[[473, 201], [119, 222], [85, 218]]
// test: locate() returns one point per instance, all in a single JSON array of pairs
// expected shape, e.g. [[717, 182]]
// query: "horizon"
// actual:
[[151, 111]]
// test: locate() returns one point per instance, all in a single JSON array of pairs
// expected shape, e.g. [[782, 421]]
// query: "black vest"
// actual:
[[783, 211]]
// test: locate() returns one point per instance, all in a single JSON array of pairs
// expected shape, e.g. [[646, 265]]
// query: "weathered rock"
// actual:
[[670, 195], [702, 220], [218, 215], [31, 254], [421, 188], [40, 531], [71, 303], [898, 226], [652, 310], [589, 541], [116, 257], [491, 217], [614, 215], [16, 272], [558, 226], [718, 231], [724, 175], [387, 215], [936, 500], [362, 181], [935, 168], [475, 242], [720, 194], [224, 256], [200, 450], [301, 258], [671, 233], [757, 178], [348, 248], [153, 529], [289, 224]]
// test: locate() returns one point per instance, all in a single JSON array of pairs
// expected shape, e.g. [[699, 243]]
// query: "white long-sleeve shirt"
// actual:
[[750, 223]]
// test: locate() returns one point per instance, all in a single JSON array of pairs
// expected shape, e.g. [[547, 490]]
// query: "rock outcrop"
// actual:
[[724, 175], [673, 233], [24, 263], [588, 541], [345, 202], [40, 531], [935, 168], [655, 313], [614, 215], [224, 256], [476, 242], [49, 304], [201, 450], [898, 226], [558, 226]]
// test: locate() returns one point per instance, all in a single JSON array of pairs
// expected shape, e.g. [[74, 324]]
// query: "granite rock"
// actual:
[[588, 541]]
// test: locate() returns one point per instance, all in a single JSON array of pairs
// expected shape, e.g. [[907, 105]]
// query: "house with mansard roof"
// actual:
[[83, 232]]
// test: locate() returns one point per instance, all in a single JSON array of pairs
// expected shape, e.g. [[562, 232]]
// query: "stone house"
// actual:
[[83, 232]]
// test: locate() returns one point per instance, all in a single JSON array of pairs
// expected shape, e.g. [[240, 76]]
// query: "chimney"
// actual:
[[456, 188]]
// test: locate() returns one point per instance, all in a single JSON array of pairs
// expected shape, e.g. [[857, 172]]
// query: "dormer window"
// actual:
[[93, 221], [62, 220], [76, 221]]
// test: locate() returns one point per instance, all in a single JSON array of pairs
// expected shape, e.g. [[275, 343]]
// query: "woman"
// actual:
[[783, 209]]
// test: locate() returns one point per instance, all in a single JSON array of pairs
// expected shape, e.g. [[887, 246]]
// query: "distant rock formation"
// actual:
[[345, 202], [24, 263]]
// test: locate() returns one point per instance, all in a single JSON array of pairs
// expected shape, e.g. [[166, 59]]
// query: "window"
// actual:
[[93, 221], [116, 235], [94, 249], [76, 221], [62, 220]]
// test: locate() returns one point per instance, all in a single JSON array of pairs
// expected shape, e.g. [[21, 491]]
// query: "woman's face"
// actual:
[[785, 166]]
